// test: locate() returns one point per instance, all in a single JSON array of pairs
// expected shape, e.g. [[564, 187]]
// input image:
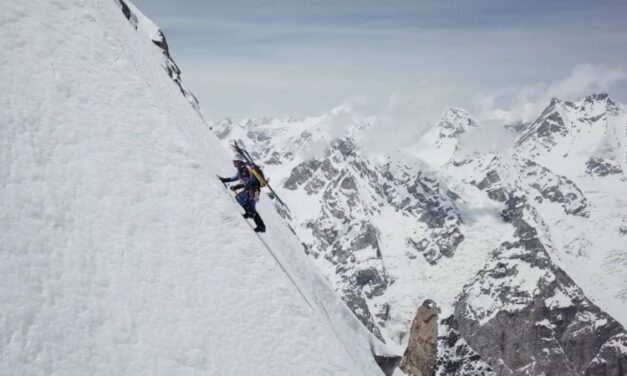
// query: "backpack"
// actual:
[[258, 174]]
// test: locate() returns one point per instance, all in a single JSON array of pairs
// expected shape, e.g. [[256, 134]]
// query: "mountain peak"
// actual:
[[455, 121], [597, 97], [590, 109], [592, 99], [604, 100]]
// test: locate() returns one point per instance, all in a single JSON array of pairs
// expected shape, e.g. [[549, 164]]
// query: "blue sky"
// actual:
[[303, 58]]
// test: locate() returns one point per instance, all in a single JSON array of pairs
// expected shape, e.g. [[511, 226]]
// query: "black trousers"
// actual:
[[258, 221]]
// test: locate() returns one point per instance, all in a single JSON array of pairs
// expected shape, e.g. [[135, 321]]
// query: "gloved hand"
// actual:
[[223, 180], [233, 188]]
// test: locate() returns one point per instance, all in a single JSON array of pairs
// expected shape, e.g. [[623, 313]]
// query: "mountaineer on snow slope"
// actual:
[[251, 180]]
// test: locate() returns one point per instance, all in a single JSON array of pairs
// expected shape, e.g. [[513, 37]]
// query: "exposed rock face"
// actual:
[[158, 38], [130, 16], [455, 121], [435, 206], [550, 123], [554, 188], [301, 173], [611, 359], [421, 356], [455, 356], [493, 186], [602, 167], [525, 316], [339, 235]]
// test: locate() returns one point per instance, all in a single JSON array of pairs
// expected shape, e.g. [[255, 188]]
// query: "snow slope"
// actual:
[[119, 250]]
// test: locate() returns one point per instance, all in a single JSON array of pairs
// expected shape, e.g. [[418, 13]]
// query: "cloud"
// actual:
[[522, 103], [525, 102], [404, 116], [494, 139]]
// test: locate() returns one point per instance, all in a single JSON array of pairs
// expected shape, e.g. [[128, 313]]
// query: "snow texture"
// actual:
[[120, 252]]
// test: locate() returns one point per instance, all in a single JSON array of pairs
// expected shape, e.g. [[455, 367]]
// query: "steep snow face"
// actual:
[[120, 252]]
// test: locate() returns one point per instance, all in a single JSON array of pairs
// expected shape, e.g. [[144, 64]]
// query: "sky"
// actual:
[[406, 60]]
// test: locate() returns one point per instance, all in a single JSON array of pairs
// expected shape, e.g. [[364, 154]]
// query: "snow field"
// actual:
[[120, 252]]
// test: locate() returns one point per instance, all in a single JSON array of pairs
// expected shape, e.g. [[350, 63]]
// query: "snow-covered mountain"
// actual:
[[524, 251], [120, 253]]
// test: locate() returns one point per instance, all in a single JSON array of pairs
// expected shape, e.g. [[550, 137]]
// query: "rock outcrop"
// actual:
[[421, 356], [152, 31]]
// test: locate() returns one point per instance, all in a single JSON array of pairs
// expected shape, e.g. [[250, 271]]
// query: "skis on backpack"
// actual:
[[244, 153]]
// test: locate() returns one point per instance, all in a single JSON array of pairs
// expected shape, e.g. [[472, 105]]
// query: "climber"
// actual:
[[251, 180]]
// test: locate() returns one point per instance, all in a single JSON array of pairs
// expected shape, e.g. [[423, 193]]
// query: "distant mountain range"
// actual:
[[523, 251]]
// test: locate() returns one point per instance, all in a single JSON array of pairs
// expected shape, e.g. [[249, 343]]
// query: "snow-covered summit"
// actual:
[[455, 121], [120, 252], [441, 143], [588, 133]]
